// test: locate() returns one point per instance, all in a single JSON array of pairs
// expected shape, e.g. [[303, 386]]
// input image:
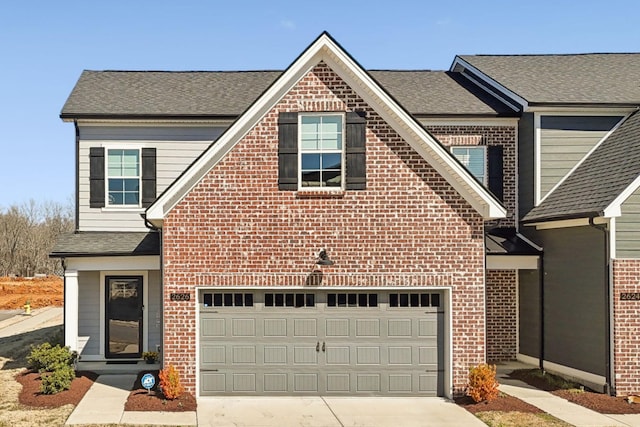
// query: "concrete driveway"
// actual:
[[332, 411]]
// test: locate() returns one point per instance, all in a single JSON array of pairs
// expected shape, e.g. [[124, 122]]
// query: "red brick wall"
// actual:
[[505, 136], [626, 341], [502, 315], [408, 227]]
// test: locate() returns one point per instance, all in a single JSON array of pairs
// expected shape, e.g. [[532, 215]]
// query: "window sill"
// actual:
[[122, 209], [320, 194]]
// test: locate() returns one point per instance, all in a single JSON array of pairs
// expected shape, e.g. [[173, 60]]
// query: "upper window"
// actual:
[[123, 172], [321, 151], [474, 159]]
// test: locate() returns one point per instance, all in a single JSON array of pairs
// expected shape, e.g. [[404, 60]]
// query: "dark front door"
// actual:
[[124, 316]]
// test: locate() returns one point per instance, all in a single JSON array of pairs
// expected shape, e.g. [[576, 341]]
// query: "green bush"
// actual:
[[47, 358], [58, 380]]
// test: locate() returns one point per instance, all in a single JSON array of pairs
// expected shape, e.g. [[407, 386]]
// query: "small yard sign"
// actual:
[[148, 381]]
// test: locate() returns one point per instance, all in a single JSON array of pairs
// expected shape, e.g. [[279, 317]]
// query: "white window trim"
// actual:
[[107, 206], [485, 179], [342, 152]]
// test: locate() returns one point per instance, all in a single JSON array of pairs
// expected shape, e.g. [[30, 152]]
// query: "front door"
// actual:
[[123, 316]]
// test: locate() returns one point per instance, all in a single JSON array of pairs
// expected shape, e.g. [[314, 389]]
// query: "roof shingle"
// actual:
[[96, 243]]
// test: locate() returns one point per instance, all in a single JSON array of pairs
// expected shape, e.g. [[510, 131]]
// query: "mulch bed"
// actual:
[[503, 403], [140, 400], [31, 396], [598, 402]]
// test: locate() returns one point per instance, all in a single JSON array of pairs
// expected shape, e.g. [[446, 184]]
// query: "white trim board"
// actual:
[[512, 262], [326, 50]]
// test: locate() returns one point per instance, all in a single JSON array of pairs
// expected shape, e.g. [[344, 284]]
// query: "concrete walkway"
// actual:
[[21, 323], [560, 408]]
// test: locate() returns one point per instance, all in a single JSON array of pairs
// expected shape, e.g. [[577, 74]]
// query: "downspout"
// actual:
[[609, 387], [541, 293], [152, 227], [63, 262]]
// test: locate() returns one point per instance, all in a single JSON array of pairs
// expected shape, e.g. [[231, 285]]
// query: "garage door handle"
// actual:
[[323, 346], [318, 346]]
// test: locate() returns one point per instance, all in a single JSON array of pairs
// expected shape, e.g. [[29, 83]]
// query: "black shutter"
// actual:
[[288, 151], [96, 177], [148, 176], [496, 185], [356, 151]]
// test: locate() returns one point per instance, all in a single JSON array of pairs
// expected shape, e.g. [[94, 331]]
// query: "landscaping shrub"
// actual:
[[482, 383], [170, 383], [58, 380], [47, 358], [55, 366]]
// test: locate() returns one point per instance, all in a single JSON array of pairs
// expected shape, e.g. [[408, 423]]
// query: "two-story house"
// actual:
[[328, 229]]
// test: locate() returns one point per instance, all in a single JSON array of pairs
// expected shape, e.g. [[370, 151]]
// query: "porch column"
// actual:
[[71, 309]]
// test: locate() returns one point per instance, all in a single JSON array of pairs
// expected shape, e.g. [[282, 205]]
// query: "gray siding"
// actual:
[[176, 149], [628, 228], [526, 163], [154, 316], [564, 141], [89, 312], [529, 313], [574, 297]]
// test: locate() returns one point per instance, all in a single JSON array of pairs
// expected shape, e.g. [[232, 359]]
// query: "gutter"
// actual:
[[609, 385]]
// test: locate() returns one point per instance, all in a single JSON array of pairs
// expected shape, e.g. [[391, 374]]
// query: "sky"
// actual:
[[45, 45]]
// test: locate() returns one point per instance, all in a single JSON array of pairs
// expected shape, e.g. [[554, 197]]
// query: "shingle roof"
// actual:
[[611, 78], [229, 93], [507, 241], [95, 243], [595, 184]]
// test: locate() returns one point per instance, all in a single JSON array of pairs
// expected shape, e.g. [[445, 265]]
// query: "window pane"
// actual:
[[289, 300], [310, 300], [332, 161], [130, 198], [268, 300], [131, 184], [362, 300], [415, 300], [311, 179], [331, 300], [116, 184], [435, 300], [393, 300], [279, 300], [373, 300], [342, 300], [208, 300], [473, 158], [310, 161], [424, 300], [217, 300], [228, 300], [404, 300], [299, 300], [352, 300], [238, 300], [309, 142], [248, 300], [332, 179], [116, 198]]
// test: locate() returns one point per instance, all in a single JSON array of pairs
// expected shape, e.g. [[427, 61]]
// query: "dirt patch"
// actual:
[[40, 291], [31, 396], [141, 400], [518, 419], [572, 392]]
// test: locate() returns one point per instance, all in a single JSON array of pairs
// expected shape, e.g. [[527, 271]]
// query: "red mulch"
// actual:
[[502, 403], [598, 402], [140, 400], [31, 396]]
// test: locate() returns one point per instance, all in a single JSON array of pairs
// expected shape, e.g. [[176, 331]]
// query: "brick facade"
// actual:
[[409, 227], [626, 314], [502, 315]]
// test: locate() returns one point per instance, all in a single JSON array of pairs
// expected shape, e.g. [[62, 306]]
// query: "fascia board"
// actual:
[[615, 207], [461, 63]]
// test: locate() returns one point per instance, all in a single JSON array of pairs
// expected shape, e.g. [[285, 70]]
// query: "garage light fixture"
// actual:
[[323, 258]]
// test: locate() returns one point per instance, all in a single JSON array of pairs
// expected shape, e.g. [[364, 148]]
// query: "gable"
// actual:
[[324, 49]]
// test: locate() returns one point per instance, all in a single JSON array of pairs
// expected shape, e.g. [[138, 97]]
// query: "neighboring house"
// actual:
[[579, 173], [332, 230]]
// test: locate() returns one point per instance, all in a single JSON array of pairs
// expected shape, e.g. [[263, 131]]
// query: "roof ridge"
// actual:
[[549, 54]]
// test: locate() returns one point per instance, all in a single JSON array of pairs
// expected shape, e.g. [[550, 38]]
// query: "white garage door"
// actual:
[[321, 343]]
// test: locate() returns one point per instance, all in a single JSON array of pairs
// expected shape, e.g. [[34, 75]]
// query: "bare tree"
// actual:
[[28, 233]]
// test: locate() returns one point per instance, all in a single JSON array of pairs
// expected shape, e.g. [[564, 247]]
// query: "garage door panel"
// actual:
[[244, 327], [306, 382], [399, 328], [400, 383], [367, 328], [367, 355], [400, 355], [213, 354], [243, 354], [338, 355], [305, 355], [244, 382], [276, 355], [275, 327], [275, 383], [367, 383], [338, 383], [210, 328], [337, 328], [305, 328], [428, 355], [211, 382]]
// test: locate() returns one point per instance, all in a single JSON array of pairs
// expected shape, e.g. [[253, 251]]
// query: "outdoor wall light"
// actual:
[[323, 258]]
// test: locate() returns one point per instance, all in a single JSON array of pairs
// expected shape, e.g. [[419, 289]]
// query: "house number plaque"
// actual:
[[180, 297], [630, 296]]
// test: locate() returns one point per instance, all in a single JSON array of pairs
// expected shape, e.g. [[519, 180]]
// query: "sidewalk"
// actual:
[[21, 323], [560, 408], [105, 402]]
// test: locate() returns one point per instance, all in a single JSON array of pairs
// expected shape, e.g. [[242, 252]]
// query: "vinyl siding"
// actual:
[[529, 313], [89, 312], [574, 277], [154, 317], [176, 149], [564, 141], [628, 228]]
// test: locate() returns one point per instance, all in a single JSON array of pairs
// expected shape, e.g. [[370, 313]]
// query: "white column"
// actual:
[[71, 309]]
